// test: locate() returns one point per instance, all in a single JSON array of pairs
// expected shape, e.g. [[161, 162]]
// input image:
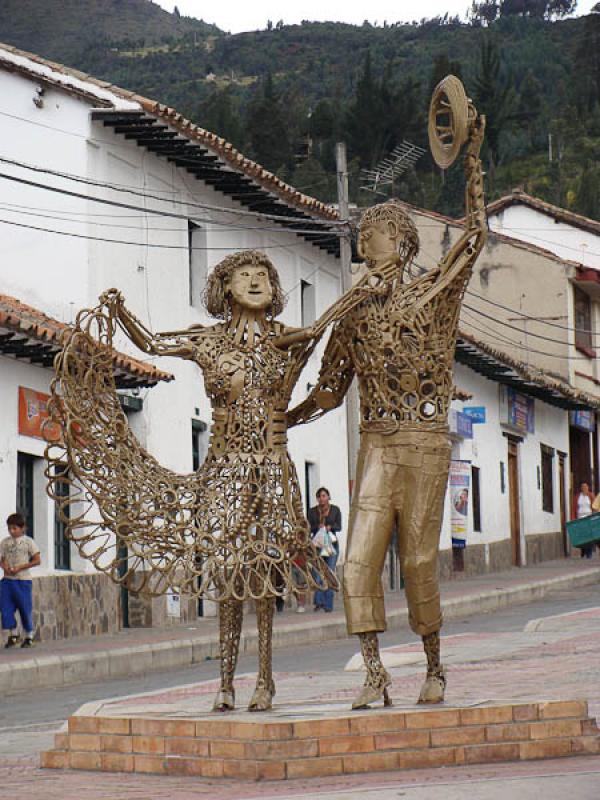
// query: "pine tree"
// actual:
[[587, 62], [443, 66], [266, 129], [494, 97], [588, 194], [364, 118]]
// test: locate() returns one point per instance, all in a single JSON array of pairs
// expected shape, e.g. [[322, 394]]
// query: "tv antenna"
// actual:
[[402, 157]]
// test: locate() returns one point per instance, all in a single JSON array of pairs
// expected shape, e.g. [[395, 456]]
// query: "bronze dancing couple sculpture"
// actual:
[[233, 530]]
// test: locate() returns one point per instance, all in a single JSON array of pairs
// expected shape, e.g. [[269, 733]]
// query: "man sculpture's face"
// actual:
[[378, 243], [250, 287]]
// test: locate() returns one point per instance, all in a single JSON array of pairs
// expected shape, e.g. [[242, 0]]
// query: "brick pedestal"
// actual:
[[323, 745]]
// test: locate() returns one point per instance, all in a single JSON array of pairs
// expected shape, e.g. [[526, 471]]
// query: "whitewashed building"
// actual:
[[99, 188], [571, 236]]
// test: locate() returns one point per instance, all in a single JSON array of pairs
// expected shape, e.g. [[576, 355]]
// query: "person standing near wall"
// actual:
[[18, 553], [582, 503], [325, 522]]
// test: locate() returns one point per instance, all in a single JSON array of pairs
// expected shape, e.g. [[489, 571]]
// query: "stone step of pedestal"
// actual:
[[365, 742]]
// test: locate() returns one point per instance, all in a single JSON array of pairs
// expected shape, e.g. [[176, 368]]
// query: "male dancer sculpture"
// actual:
[[401, 348]]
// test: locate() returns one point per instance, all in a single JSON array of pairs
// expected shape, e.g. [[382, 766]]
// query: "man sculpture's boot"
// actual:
[[433, 689], [378, 679]]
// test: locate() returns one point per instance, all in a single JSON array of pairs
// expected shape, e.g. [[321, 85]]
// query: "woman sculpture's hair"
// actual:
[[214, 297]]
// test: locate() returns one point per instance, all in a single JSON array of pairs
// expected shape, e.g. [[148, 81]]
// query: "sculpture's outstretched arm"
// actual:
[[153, 343], [462, 255], [335, 377], [370, 284]]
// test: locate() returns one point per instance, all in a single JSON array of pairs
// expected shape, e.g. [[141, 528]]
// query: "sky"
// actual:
[[239, 15]]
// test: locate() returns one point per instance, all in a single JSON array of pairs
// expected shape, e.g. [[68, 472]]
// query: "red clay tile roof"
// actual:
[[492, 236], [68, 79], [560, 214], [19, 318], [533, 376], [238, 161]]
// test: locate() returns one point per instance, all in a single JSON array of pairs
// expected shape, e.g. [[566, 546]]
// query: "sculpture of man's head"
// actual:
[[387, 233]]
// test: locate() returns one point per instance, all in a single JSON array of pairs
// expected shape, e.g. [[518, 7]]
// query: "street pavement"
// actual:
[[139, 651], [547, 649]]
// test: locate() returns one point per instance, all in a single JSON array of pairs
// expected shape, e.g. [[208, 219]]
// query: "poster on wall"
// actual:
[[460, 482], [173, 604], [33, 416]]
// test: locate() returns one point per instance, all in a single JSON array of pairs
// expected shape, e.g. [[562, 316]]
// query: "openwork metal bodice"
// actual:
[[402, 353], [249, 388]]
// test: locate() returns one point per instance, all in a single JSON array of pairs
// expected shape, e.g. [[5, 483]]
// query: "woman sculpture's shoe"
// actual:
[[262, 699], [224, 701], [370, 694], [433, 689]]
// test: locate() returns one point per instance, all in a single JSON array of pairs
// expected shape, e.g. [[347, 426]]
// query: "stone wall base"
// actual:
[[71, 605], [153, 612], [544, 547]]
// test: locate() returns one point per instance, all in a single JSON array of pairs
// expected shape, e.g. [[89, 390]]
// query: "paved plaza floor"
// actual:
[[550, 658]]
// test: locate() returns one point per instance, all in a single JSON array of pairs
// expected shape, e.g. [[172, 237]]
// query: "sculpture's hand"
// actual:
[[113, 299], [476, 135]]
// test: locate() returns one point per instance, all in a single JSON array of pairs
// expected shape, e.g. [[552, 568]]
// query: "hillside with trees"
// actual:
[[63, 29], [284, 95]]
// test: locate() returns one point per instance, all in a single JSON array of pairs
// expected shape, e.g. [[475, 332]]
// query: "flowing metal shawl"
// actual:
[[232, 530]]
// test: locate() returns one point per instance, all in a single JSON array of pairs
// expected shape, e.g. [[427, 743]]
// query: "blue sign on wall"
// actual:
[[584, 420], [461, 424], [477, 414], [521, 410]]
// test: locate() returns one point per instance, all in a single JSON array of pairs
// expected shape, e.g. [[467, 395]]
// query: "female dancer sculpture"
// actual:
[[232, 530]]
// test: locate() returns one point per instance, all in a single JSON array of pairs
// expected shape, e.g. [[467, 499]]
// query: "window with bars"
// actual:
[[197, 263], [476, 496], [307, 303], [25, 489], [199, 443], [547, 478], [583, 321], [62, 546]]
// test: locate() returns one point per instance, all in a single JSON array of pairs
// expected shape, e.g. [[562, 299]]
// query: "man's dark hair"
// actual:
[[323, 489], [16, 519]]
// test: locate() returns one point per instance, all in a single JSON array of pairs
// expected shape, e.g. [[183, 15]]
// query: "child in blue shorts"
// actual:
[[18, 553]]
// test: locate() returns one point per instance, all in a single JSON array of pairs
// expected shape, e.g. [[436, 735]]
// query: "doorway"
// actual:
[[562, 500], [581, 459], [513, 498]]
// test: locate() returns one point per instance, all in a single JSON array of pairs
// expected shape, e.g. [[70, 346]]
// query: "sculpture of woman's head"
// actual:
[[247, 279]]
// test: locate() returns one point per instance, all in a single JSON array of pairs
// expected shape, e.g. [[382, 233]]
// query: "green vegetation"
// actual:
[[286, 94], [64, 29]]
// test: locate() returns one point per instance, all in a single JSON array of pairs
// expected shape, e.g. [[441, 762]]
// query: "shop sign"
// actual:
[[460, 424], [517, 410], [460, 482], [34, 419], [477, 414], [584, 420]]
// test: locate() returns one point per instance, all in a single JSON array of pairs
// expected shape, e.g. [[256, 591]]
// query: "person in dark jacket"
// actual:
[[325, 522]]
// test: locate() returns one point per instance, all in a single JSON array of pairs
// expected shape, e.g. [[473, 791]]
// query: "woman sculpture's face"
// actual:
[[250, 287]]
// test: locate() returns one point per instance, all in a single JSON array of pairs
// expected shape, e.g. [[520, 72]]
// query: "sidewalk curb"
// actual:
[[53, 671]]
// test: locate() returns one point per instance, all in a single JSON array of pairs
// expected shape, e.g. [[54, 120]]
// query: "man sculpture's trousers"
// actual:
[[400, 483]]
